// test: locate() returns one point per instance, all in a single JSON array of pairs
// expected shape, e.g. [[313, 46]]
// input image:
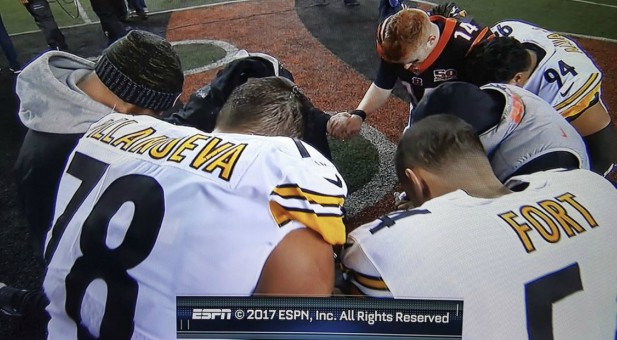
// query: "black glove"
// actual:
[[449, 10]]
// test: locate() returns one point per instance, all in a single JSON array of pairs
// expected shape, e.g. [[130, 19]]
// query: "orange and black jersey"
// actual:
[[457, 38]]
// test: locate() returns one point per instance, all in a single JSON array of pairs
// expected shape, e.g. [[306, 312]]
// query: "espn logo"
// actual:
[[211, 314]]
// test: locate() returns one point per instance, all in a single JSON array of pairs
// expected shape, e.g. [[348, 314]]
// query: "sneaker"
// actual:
[[146, 10], [15, 70], [6, 303], [351, 3]]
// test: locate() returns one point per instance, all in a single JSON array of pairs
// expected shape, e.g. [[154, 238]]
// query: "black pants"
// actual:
[[111, 13], [44, 19]]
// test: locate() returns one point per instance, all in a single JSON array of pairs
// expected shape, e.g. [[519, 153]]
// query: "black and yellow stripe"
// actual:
[[581, 98], [370, 282], [329, 225]]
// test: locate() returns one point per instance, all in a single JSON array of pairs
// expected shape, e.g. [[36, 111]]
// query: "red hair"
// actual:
[[402, 33]]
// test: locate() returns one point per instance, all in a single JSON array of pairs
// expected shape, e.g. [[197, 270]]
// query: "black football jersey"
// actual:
[[457, 38]]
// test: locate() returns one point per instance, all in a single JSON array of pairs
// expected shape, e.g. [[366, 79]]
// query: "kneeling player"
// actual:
[[520, 256], [520, 132], [151, 211], [556, 69]]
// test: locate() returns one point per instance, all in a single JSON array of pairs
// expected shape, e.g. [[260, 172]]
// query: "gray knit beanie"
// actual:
[[142, 69]]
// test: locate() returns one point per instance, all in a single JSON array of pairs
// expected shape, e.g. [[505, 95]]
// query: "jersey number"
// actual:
[[551, 75], [504, 30], [98, 260], [467, 27], [540, 294]]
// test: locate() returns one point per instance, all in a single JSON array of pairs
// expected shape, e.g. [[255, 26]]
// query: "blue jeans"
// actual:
[[7, 47]]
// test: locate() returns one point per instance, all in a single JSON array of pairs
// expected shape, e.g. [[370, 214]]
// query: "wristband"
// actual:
[[359, 113]]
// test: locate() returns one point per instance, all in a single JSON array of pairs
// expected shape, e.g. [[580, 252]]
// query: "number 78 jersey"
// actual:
[[147, 211], [565, 76]]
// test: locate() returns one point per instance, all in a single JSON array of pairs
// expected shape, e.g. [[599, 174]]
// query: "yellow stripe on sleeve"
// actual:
[[370, 282], [582, 104], [584, 89], [330, 227], [311, 196]]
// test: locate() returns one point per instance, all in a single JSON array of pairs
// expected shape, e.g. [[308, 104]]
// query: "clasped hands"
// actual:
[[343, 125]]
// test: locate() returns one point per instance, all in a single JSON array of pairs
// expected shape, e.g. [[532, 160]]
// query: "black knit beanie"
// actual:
[[142, 69]]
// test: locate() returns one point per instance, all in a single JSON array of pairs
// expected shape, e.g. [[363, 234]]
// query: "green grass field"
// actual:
[[560, 15], [17, 19]]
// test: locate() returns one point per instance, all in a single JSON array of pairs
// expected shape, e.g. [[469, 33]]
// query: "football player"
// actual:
[[421, 51], [518, 254], [520, 132], [556, 69], [148, 211]]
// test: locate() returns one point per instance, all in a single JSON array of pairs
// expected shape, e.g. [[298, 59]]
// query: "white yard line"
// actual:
[[91, 22], [595, 3], [588, 37], [82, 13], [426, 2]]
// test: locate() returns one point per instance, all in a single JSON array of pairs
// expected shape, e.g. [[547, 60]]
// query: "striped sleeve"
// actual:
[[319, 211], [361, 273], [310, 192], [580, 94]]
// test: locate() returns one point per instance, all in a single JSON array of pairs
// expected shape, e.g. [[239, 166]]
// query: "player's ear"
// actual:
[[418, 185], [517, 80], [432, 40]]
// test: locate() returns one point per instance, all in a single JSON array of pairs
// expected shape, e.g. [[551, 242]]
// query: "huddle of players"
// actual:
[[141, 202]]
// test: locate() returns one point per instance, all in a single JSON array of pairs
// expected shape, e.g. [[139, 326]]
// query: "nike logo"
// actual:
[[565, 93], [338, 182]]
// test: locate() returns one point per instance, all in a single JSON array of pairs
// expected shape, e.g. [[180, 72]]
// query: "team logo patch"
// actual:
[[415, 81], [444, 75]]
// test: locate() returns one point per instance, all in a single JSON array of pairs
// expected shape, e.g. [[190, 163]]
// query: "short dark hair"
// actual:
[[270, 106], [496, 60], [436, 142]]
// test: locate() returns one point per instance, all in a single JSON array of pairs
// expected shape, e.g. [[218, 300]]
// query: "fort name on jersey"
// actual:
[[212, 153], [549, 218]]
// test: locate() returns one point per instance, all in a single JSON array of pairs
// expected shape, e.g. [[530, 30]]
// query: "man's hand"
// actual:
[[336, 125], [401, 202], [448, 10], [23, 2], [354, 124]]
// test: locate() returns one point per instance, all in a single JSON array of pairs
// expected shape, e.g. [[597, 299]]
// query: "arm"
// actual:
[[301, 264], [374, 98], [600, 138], [592, 120]]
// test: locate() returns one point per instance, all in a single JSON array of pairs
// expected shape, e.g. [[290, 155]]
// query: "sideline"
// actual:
[[595, 3], [91, 22]]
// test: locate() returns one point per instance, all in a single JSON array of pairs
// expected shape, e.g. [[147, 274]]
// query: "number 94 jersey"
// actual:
[[147, 211], [565, 76]]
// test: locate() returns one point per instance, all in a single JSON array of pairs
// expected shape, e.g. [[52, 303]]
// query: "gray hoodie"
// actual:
[[50, 99]]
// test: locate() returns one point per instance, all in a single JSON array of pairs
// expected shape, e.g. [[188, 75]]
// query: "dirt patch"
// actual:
[[275, 28]]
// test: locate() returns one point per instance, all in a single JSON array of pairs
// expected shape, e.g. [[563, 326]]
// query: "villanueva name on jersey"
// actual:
[[212, 152], [560, 41], [550, 219]]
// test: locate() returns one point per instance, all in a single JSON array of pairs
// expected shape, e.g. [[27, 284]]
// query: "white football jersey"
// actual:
[[566, 77], [529, 264], [148, 211], [529, 128]]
